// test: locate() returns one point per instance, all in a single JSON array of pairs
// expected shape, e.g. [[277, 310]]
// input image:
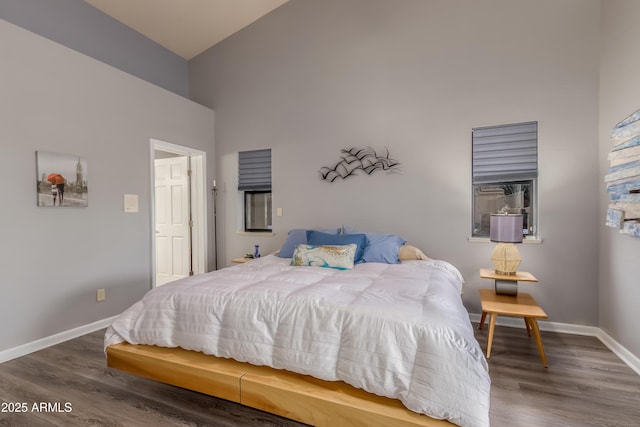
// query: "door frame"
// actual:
[[197, 160]]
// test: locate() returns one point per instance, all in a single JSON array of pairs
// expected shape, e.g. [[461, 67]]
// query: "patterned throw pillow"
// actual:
[[315, 237], [340, 257]]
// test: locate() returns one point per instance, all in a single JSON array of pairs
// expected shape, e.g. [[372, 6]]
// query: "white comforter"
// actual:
[[397, 330]]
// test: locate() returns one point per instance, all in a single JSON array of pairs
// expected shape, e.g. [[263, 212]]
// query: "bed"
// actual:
[[374, 344]]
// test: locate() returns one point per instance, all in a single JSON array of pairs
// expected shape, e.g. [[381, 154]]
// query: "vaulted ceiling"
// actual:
[[186, 27]]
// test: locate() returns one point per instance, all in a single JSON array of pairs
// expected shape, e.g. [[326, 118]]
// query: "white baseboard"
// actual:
[[45, 342], [625, 355]]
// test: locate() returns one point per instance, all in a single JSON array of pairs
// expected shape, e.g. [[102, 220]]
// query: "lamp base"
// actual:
[[506, 259], [505, 273]]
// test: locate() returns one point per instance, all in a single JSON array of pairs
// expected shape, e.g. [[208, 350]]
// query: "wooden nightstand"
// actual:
[[506, 284], [522, 305], [241, 260]]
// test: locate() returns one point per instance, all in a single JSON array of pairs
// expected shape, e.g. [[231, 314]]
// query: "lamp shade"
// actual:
[[506, 228]]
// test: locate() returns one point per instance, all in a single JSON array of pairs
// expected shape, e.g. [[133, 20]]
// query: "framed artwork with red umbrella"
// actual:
[[61, 180]]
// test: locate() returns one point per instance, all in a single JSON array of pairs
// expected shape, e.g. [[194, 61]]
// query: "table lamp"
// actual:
[[506, 230]]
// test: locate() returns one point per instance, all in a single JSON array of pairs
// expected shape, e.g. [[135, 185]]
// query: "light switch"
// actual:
[[131, 203], [279, 212]]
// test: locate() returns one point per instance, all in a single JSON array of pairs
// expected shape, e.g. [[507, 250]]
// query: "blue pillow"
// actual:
[[298, 236], [383, 248], [315, 237]]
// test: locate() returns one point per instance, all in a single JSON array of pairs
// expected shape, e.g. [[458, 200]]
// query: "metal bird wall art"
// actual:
[[355, 159]]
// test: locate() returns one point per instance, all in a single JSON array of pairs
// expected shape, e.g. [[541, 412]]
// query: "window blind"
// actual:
[[254, 170], [505, 153]]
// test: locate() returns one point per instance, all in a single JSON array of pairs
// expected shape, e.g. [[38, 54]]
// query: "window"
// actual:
[[505, 170], [254, 181], [257, 210]]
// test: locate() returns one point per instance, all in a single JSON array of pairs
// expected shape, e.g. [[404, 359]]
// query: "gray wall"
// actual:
[[54, 259], [80, 26], [619, 97], [416, 76]]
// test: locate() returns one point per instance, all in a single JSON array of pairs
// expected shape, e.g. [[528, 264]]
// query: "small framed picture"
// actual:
[[61, 180]]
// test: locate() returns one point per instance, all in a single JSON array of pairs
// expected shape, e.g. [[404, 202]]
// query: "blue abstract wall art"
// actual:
[[623, 177]]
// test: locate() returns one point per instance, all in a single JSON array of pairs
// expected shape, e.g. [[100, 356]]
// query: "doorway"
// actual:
[[179, 232]]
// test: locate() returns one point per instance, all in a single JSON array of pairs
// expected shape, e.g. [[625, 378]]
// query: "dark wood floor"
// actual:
[[584, 385]]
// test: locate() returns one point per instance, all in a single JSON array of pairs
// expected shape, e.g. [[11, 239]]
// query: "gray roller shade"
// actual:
[[254, 170], [505, 153]]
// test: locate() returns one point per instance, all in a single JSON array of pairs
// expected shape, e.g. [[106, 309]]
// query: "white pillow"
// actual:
[[411, 252]]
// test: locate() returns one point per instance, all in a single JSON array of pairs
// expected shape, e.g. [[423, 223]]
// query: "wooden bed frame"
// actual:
[[298, 397]]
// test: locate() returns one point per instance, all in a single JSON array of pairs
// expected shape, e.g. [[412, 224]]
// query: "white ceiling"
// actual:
[[186, 27]]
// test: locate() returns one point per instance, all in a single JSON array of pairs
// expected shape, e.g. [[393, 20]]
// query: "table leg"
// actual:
[[526, 323], [536, 334], [484, 316], [492, 326]]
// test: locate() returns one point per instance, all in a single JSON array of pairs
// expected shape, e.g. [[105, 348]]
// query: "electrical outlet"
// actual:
[[100, 295]]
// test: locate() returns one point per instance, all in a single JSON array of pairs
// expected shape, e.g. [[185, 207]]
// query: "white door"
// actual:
[[173, 248]]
